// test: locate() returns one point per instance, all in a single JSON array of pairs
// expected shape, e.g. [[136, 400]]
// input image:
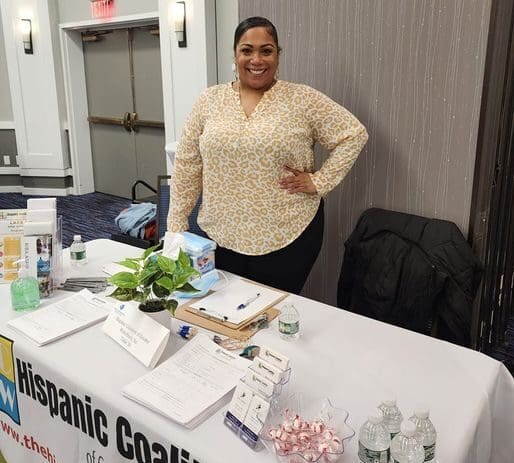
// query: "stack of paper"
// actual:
[[190, 385], [63, 317]]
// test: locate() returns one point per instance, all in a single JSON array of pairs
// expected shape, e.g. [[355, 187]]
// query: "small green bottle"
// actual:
[[24, 290]]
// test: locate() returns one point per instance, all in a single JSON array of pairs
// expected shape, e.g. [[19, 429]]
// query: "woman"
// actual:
[[248, 148]]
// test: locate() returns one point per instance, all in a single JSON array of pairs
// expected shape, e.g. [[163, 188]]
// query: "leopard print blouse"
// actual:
[[236, 161]]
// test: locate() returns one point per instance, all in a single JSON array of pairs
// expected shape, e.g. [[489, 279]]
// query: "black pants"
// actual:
[[287, 268]]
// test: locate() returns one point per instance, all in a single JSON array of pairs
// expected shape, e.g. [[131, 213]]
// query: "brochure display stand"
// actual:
[[255, 395]]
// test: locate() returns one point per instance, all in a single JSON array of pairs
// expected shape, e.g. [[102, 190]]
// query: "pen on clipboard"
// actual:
[[248, 302], [213, 314]]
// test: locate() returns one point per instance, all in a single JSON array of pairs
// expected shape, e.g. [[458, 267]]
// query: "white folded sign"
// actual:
[[136, 332]]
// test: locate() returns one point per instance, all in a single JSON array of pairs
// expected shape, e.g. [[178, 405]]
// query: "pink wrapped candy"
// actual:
[[311, 441]]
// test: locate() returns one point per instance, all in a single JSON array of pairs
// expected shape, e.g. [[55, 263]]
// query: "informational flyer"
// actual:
[[11, 233]]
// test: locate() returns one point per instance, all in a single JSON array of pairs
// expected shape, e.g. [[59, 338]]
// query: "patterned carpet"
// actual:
[[91, 215]]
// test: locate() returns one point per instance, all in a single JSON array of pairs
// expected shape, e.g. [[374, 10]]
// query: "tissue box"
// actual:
[[201, 251]]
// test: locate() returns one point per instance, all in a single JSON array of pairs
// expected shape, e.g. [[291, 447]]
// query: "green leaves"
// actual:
[[130, 263], [124, 280], [153, 279], [149, 251], [166, 264], [188, 288], [123, 294], [171, 305]]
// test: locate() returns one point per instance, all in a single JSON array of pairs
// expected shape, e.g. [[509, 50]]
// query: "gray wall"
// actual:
[[5, 92], [227, 19], [412, 72], [78, 10]]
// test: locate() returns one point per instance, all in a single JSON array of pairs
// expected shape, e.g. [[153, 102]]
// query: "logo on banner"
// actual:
[[8, 397]]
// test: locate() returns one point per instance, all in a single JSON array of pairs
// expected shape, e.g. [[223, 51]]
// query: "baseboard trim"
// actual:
[[31, 172], [11, 188], [48, 191], [6, 125], [9, 170]]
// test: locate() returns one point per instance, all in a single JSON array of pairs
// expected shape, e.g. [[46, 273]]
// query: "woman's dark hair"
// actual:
[[255, 21]]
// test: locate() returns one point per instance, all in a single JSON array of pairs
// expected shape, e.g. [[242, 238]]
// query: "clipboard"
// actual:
[[225, 304], [241, 330], [216, 326]]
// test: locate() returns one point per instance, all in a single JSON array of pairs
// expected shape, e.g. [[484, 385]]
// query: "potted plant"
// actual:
[[153, 279]]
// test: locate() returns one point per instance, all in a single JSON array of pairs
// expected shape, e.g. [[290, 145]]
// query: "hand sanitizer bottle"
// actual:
[[24, 290]]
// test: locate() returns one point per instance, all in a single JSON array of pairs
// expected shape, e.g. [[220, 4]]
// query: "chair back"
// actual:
[[163, 206], [410, 271]]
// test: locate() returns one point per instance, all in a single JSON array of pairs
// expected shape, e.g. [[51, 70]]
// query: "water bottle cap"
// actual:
[[390, 402], [421, 413], [408, 428], [77, 237], [376, 417]]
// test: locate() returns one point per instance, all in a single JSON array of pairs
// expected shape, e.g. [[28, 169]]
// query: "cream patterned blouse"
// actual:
[[236, 162]]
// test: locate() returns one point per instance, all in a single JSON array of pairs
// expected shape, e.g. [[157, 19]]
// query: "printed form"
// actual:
[[190, 385]]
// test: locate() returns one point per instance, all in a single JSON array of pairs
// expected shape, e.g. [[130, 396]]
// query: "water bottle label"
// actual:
[[78, 255], [429, 452], [373, 456], [288, 328]]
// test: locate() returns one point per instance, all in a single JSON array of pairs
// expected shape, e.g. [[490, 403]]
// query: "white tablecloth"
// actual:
[[354, 361]]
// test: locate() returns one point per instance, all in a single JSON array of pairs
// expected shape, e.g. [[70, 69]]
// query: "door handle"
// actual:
[[106, 120], [127, 121], [136, 123]]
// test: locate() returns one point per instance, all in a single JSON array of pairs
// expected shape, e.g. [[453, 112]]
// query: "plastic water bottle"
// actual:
[[426, 432], [392, 416], [374, 440], [289, 322], [78, 251], [406, 447]]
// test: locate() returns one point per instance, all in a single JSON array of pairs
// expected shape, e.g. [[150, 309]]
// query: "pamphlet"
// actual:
[[62, 318], [37, 254], [11, 232]]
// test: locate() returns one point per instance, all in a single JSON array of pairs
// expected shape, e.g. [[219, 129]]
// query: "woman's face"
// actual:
[[256, 59]]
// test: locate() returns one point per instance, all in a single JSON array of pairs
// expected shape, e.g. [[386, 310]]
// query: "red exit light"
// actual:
[[102, 8]]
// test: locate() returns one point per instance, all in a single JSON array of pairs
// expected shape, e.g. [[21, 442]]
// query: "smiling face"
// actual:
[[256, 59]]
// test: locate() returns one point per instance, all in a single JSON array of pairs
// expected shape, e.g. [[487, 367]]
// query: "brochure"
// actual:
[[62, 318]]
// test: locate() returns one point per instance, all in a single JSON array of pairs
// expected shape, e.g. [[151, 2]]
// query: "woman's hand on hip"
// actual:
[[299, 182]]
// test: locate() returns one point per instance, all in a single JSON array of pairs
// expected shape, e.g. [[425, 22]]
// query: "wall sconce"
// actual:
[[26, 36], [179, 19]]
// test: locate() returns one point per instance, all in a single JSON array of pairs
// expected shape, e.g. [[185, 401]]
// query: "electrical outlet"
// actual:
[[7, 160]]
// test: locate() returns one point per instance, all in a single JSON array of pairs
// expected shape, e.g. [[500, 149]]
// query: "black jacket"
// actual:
[[410, 271]]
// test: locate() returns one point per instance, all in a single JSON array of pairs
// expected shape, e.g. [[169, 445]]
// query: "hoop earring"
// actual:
[[276, 75]]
